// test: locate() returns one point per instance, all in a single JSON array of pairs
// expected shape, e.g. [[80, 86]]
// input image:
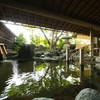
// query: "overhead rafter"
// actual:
[[75, 7], [28, 17], [20, 16], [68, 6], [69, 15], [89, 10], [12, 15], [62, 5], [3, 13], [50, 14], [81, 10]]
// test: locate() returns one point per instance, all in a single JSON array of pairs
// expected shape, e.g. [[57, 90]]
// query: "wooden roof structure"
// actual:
[[69, 15]]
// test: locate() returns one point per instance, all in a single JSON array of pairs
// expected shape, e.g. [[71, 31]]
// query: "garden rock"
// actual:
[[42, 98], [48, 54], [26, 51], [88, 94], [38, 54], [97, 59]]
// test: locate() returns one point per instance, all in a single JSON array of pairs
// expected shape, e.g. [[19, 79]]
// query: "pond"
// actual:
[[34, 78]]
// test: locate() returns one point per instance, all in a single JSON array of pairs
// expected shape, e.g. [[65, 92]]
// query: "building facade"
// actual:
[[6, 36]]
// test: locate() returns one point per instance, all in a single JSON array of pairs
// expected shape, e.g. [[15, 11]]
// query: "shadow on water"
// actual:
[[34, 79]]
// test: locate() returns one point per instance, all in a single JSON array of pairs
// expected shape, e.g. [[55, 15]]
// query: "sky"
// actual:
[[16, 29]]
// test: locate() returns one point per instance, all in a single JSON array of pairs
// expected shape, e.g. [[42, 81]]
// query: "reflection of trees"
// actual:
[[52, 77], [34, 83]]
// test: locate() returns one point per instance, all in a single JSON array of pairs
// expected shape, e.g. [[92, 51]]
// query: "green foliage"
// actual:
[[86, 48], [73, 41], [35, 39], [60, 43], [19, 41], [44, 43], [16, 47], [40, 67]]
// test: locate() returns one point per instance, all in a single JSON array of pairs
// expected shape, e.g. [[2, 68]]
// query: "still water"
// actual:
[[31, 77]]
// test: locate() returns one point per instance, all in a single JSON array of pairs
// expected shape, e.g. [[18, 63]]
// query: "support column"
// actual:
[[66, 68], [99, 46], [81, 61], [67, 54], [91, 47], [96, 46], [99, 52], [91, 42]]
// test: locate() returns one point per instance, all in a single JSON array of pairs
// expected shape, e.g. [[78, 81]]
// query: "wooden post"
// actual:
[[99, 51], [67, 54], [66, 68], [91, 42], [99, 45], [91, 48], [81, 61]]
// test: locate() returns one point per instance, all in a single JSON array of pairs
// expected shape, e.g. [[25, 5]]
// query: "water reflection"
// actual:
[[5, 73], [31, 78]]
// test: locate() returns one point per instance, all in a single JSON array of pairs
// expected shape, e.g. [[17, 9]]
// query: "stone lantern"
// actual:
[[66, 46]]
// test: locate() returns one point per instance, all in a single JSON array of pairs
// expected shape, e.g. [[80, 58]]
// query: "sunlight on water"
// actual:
[[18, 78], [15, 77], [44, 75]]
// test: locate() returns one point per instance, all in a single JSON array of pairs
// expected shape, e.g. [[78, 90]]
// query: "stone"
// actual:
[[66, 46], [48, 54], [97, 69], [38, 54], [97, 59], [26, 51], [97, 66], [40, 48], [88, 94], [42, 98]]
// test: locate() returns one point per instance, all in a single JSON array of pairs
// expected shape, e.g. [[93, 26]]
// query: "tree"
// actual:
[[35, 39], [53, 38], [19, 40]]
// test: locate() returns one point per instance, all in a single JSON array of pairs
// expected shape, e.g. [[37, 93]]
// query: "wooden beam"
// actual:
[[91, 41], [62, 5], [12, 15], [47, 22], [50, 14], [41, 21], [28, 18], [35, 19], [3, 13], [89, 11], [20, 16]]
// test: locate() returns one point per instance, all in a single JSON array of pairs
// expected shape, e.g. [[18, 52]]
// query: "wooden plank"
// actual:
[[3, 49]]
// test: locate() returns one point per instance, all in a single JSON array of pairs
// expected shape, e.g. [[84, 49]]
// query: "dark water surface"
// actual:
[[31, 77]]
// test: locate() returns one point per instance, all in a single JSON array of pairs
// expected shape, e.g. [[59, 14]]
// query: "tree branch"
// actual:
[[45, 35]]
